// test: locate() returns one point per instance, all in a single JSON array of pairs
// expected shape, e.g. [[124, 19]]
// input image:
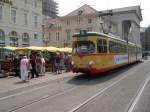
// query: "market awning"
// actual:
[[9, 48], [22, 49], [35, 48], [49, 49], [66, 49], [52, 49]]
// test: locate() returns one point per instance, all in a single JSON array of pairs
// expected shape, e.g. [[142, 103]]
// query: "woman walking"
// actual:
[[24, 67]]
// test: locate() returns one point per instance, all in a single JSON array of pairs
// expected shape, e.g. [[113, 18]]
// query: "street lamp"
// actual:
[[101, 23], [103, 14]]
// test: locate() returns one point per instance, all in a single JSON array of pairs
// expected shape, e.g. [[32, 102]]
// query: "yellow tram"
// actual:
[[95, 52]]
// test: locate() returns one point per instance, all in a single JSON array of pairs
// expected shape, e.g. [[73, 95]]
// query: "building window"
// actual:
[[57, 36], [1, 12], [89, 21], [68, 34], [68, 23], [25, 39], [2, 37], [13, 39], [35, 4], [25, 2], [35, 36], [49, 36], [13, 15], [78, 20], [35, 20], [25, 19]]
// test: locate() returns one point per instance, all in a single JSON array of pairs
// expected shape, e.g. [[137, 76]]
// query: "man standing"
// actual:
[[24, 67], [57, 63], [33, 64]]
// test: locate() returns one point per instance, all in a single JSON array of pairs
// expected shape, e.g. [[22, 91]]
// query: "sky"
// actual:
[[67, 6]]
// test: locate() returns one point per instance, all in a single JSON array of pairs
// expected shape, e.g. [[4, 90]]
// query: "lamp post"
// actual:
[[103, 14], [101, 23]]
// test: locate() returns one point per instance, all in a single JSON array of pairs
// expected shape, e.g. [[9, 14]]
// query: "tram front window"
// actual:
[[84, 48]]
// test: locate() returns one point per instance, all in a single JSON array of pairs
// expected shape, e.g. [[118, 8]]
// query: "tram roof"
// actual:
[[102, 34]]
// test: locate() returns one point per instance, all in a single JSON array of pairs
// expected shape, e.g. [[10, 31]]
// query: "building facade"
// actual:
[[52, 32], [20, 22], [122, 22], [128, 23], [85, 18], [59, 31]]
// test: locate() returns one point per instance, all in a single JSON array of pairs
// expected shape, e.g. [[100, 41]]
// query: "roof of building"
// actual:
[[136, 8], [85, 9]]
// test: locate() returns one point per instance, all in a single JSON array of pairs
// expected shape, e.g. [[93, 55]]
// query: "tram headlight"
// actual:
[[72, 62], [91, 62]]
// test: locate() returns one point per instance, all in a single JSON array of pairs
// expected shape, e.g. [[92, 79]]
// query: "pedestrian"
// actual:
[[33, 65], [57, 63], [69, 63], [66, 62], [19, 61], [38, 64], [52, 61], [16, 65], [24, 67], [42, 66], [61, 62]]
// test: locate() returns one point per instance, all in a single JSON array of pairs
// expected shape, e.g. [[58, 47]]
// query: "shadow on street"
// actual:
[[85, 79]]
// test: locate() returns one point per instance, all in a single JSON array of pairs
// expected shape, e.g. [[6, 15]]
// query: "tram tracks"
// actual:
[[40, 99], [132, 103], [52, 94], [48, 97], [97, 94], [29, 87]]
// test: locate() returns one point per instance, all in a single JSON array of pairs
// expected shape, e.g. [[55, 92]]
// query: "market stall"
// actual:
[[6, 65]]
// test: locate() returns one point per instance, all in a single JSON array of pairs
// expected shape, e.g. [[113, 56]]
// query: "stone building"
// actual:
[[128, 23], [122, 22], [20, 22], [52, 32], [84, 18]]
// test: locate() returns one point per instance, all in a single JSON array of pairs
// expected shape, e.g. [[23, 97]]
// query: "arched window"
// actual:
[[13, 38], [25, 39]]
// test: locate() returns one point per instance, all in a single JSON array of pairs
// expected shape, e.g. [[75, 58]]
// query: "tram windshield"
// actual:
[[84, 47]]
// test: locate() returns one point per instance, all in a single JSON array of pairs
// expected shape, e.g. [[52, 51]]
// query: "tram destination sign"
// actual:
[[6, 1], [82, 35]]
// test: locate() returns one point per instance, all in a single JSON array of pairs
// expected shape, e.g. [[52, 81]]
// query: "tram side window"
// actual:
[[112, 47], [115, 47], [102, 46]]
